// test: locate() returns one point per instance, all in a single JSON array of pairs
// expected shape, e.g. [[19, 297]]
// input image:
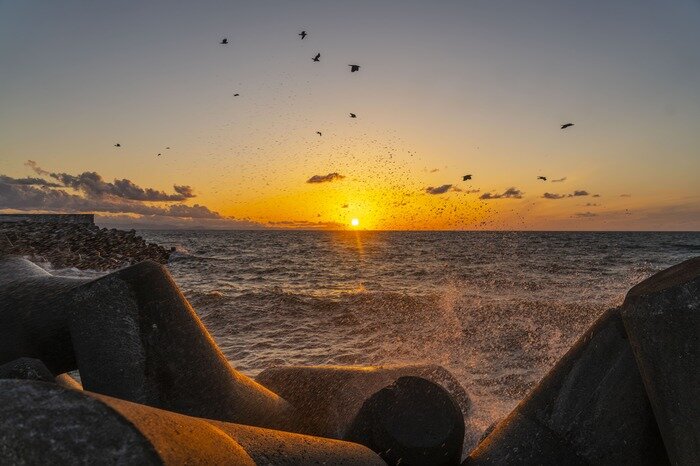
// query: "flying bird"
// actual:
[[543, 178], [303, 34], [466, 177], [354, 68], [168, 147], [317, 57], [117, 145], [236, 95], [352, 115], [566, 125], [224, 41], [158, 155], [319, 133]]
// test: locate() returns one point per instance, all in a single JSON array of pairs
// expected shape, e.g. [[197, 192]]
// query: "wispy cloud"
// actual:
[[625, 195], [510, 193], [559, 180], [577, 193], [439, 189], [28, 181], [306, 225], [325, 178], [585, 215], [36, 168]]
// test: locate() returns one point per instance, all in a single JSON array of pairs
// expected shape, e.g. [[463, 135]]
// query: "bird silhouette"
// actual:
[[352, 115], [236, 95], [566, 125], [303, 34], [319, 133], [117, 145], [354, 68], [224, 41], [168, 147], [317, 57], [466, 177], [543, 178], [158, 155]]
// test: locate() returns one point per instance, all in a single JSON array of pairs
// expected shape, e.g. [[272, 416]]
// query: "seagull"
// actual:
[[566, 125], [543, 178], [466, 177], [224, 41], [354, 68], [319, 133], [352, 115], [302, 34], [236, 95], [117, 145], [317, 57], [158, 155]]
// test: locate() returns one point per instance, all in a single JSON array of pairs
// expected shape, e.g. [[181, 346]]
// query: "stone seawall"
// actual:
[[88, 219]]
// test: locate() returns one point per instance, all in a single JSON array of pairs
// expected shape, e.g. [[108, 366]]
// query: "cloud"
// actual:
[[93, 186], [439, 189], [625, 195], [559, 180], [510, 193], [345, 206], [306, 225], [325, 178], [578, 193], [585, 215], [591, 204], [36, 168], [553, 196], [596, 195], [434, 170], [470, 191], [28, 181], [23, 197]]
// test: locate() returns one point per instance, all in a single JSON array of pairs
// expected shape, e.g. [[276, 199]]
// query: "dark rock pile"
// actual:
[[83, 246]]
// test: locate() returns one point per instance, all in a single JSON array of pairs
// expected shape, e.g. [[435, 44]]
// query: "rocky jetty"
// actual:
[[156, 389], [79, 245]]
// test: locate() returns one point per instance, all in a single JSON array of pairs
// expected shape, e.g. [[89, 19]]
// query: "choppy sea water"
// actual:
[[495, 308]]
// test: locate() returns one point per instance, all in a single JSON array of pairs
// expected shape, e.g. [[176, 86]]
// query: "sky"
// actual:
[[445, 89]]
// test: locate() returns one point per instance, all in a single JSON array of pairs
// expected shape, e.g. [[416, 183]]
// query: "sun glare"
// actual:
[[355, 222]]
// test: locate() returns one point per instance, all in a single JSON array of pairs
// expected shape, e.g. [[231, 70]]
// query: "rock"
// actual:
[[32, 315], [47, 424], [591, 408], [327, 398], [662, 318], [412, 421], [137, 338], [26, 368]]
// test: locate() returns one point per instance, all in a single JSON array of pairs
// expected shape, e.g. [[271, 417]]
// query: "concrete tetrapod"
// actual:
[[137, 338], [46, 423], [327, 398], [412, 421], [591, 408], [32, 314], [27, 369], [662, 318]]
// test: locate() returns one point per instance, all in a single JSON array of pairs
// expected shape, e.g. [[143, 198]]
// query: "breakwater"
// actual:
[[75, 241], [149, 367]]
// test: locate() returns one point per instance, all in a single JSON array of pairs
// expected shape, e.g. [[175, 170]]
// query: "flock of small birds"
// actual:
[[353, 69]]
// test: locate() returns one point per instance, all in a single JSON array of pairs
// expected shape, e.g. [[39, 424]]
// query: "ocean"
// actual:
[[497, 309]]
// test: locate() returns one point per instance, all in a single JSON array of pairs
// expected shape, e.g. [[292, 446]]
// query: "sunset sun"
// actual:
[[355, 222]]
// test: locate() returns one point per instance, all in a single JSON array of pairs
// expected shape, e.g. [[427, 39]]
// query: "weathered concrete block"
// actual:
[[137, 338], [47, 424], [662, 318], [412, 421], [327, 398], [27, 369], [33, 320], [591, 408]]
